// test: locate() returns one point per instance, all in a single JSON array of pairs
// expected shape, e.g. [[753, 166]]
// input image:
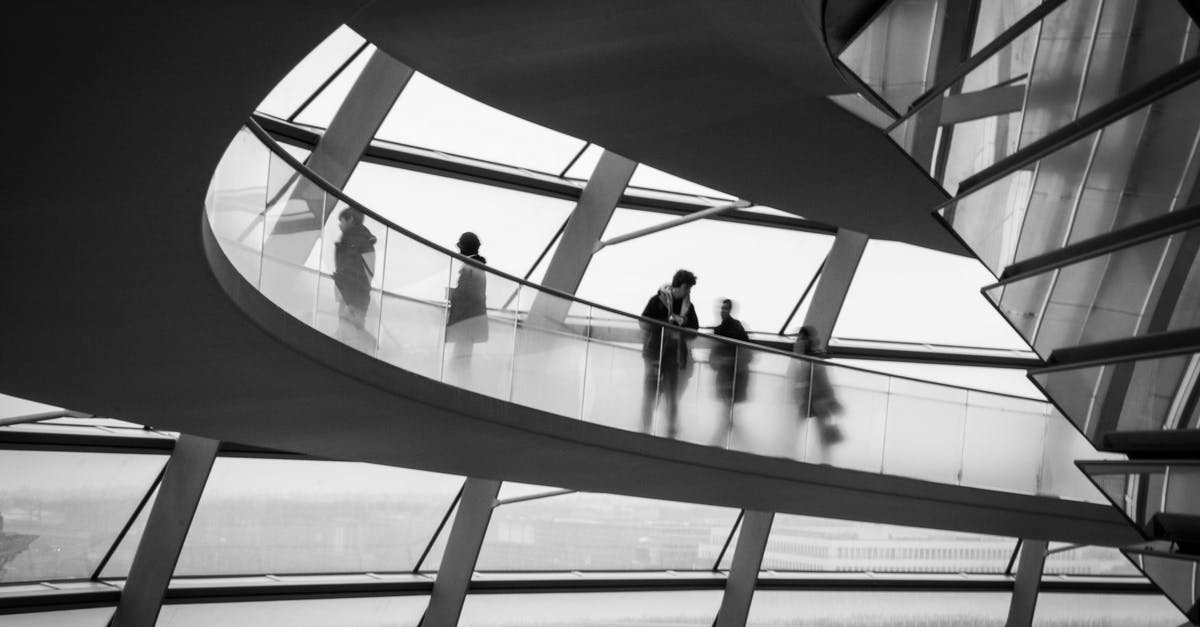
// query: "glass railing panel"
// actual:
[[412, 325], [294, 226], [1002, 443], [847, 429], [892, 54], [1063, 445], [481, 325], [1143, 395], [769, 421], [1127, 293], [551, 352], [237, 197], [350, 287], [925, 426], [1130, 171], [435, 315], [616, 373], [706, 399]]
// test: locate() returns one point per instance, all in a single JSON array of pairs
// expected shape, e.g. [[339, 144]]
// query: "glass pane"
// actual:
[[416, 282], [480, 331], [911, 294], [769, 421], [320, 111], [1176, 578], [846, 417], [1127, 293], [586, 531], [869, 608], [680, 608], [551, 353], [352, 612], [802, 543], [295, 220], [1130, 171], [864, 608], [513, 225], [312, 70], [271, 516], [1082, 55], [615, 379], [122, 558], [431, 115], [237, 198], [925, 431], [1090, 561], [721, 254], [1002, 446], [1143, 395], [1060, 476], [892, 54], [61, 511]]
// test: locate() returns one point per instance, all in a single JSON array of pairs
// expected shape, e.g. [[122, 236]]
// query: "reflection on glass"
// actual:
[[1145, 288], [456, 320], [1079, 57], [402, 611], [1123, 174], [891, 55], [298, 516], [1144, 395], [60, 512]]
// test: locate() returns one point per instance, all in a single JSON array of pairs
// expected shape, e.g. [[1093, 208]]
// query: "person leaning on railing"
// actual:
[[665, 351]]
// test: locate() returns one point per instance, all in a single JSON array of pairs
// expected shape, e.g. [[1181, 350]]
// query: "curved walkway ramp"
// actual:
[[545, 379], [130, 314]]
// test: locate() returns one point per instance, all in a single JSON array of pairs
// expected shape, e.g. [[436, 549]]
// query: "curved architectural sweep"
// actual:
[[733, 95], [124, 316], [535, 359]]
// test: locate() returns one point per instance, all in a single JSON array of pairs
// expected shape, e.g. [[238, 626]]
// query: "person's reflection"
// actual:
[[466, 321], [813, 393], [354, 267], [732, 365]]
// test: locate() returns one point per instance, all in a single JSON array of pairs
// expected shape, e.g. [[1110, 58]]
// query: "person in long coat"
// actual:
[[665, 351], [467, 322], [732, 365]]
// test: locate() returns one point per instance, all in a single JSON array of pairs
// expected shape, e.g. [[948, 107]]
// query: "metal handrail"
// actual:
[[329, 188]]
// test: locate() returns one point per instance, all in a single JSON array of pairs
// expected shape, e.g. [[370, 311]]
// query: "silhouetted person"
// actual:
[[354, 267], [732, 365], [813, 393], [665, 351], [466, 322]]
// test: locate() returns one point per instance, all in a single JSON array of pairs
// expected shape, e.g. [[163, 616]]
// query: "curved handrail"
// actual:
[[541, 360], [329, 188]]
